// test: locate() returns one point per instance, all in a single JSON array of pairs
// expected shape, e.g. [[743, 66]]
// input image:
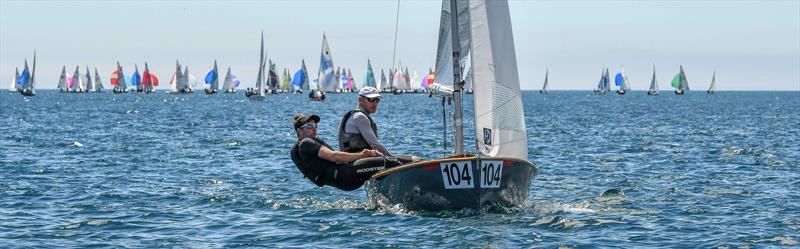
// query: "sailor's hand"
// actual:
[[371, 153], [415, 159]]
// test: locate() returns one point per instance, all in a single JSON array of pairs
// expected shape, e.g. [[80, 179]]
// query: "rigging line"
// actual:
[[396, 25]]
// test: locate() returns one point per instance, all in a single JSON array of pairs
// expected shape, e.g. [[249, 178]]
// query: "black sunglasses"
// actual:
[[373, 100]]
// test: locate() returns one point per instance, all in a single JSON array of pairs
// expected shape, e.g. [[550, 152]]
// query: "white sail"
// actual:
[[653, 83], [13, 86], [62, 80], [76, 82], [713, 87], [183, 83], [444, 52], [88, 77], [499, 118], [544, 87], [626, 82], [327, 81], [98, 84], [228, 85]]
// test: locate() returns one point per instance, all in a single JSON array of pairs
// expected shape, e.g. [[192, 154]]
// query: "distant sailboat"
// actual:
[[603, 86], [273, 82], [286, 80], [149, 80], [26, 80], [136, 79], [259, 92], [653, 84], [621, 80], [680, 83], [212, 80], [383, 83], [87, 81], [118, 80], [326, 76], [544, 87], [712, 89], [369, 78], [300, 79], [74, 83], [62, 80], [231, 82], [98, 84], [179, 82]]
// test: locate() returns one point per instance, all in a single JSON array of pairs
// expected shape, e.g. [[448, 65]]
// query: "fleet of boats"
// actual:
[[475, 55]]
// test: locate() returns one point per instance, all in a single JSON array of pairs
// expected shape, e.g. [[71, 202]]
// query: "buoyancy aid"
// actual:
[[354, 142]]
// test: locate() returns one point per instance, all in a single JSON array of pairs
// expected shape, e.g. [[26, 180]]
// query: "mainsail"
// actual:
[[75, 84], [62, 80], [13, 86], [713, 87], [88, 78], [98, 84], [369, 79], [327, 82], [653, 83], [230, 83], [383, 83], [544, 87]]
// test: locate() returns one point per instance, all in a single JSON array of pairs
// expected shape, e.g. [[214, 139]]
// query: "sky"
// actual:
[[752, 45]]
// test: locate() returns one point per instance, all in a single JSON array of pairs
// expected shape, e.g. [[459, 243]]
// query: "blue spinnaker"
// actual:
[[136, 78], [24, 77], [618, 79], [297, 80], [211, 76]]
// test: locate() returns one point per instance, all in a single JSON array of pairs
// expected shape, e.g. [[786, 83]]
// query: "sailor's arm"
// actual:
[[340, 156], [364, 127]]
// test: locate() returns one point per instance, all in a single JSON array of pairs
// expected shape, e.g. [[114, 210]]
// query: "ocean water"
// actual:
[[161, 170]]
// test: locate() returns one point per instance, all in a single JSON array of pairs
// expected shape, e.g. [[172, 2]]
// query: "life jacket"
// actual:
[[317, 174], [354, 142]]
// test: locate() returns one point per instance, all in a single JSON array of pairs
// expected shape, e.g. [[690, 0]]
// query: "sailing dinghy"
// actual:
[[212, 80], [500, 174], [259, 93], [653, 84], [544, 87], [680, 83], [26, 80], [712, 89]]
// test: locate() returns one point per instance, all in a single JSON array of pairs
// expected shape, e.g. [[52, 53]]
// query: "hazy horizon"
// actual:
[[752, 45]]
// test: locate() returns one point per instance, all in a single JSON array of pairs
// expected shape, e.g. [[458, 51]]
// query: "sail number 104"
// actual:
[[457, 175]]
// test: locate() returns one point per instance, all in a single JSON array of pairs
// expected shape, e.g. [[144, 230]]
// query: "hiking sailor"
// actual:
[[325, 166]]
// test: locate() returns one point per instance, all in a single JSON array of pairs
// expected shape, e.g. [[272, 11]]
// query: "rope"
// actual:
[[396, 25]]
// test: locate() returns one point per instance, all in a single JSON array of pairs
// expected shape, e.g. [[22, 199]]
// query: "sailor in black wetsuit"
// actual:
[[325, 166]]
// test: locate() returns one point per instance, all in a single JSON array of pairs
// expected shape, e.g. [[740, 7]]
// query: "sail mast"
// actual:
[[458, 84]]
